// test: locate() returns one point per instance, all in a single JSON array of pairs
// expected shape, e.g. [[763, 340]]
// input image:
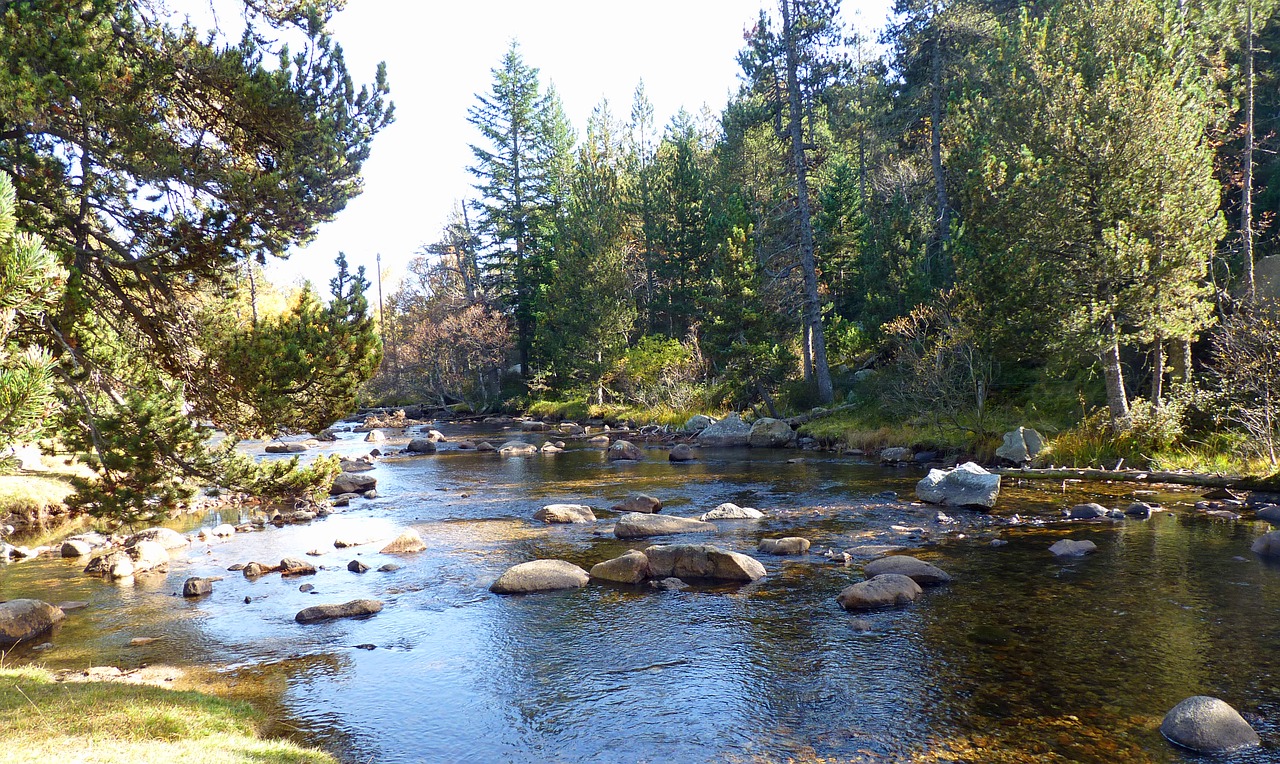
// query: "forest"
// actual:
[[1059, 214]]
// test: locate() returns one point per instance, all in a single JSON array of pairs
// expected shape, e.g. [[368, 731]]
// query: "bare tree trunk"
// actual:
[[812, 306], [1117, 400], [943, 233], [1157, 371], [1182, 360], [1246, 190]]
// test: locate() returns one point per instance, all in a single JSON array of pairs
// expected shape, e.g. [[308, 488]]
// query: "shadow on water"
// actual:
[[1023, 658]]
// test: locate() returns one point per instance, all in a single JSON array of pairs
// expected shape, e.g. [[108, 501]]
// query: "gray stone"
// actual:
[[1268, 545], [1021, 445], [223, 530], [1090, 511], [75, 548], [784, 546], [565, 513], [897, 454], [517, 448], [355, 566], [533, 425], [197, 587], [624, 450], [551, 448], [729, 511], [599, 441], [352, 609], [1072, 548], [698, 423], [421, 446], [965, 485], [21, 620], [540, 576], [165, 537], [1270, 513], [285, 448], [292, 566], [435, 436], [702, 561], [1139, 509], [375, 436], [347, 482], [630, 568], [770, 433], [888, 590], [485, 446], [640, 502], [730, 432], [355, 465], [148, 556], [256, 569], [681, 453], [634, 525], [1207, 725], [388, 567], [919, 571], [406, 543], [671, 584]]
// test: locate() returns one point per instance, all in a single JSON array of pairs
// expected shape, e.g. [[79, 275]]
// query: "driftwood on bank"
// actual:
[[1138, 476]]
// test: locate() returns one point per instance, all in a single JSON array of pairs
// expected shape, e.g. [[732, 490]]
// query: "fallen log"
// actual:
[[1140, 476]]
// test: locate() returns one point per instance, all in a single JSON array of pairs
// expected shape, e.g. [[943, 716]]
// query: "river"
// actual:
[[1023, 658]]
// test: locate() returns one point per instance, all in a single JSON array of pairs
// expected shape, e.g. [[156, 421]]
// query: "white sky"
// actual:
[[439, 55]]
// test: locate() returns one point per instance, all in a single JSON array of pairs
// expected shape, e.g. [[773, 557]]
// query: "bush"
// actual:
[[659, 371], [1096, 441]]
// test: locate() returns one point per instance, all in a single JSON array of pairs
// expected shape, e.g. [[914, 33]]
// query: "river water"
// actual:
[[1023, 658]]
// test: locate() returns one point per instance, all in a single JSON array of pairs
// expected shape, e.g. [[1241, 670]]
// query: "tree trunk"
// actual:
[[1117, 400], [1182, 361], [1246, 184], [943, 233], [1157, 371], [812, 307]]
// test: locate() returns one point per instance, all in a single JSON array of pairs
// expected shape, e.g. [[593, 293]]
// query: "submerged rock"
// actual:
[[729, 432], [517, 448], [702, 561], [965, 485], [642, 503], [1207, 725], [540, 576], [21, 620], [1072, 548], [729, 511], [681, 453], [919, 571], [352, 609], [565, 513], [887, 590], [634, 525], [406, 543], [783, 546], [630, 568]]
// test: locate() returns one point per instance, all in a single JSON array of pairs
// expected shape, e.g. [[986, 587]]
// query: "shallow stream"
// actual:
[[1023, 658]]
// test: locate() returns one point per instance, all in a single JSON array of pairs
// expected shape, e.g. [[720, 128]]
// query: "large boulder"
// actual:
[[347, 482], [770, 433], [407, 542], [1268, 545], [197, 587], [624, 450], [729, 511], [897, 454], [1270, 513], [1090, 511], [115, 563], [21, 620], [965, 485], [1207, 725], [76, 548], [784, 546], [630, 568], [1020, 445], [702, 561], [681, 453], [435, 436], [634, 525], [1072, 548], [533, 425], [517, 448], [727, 433], [565, 513], [639, 502], [421, 446], [540, 576], [165, 537], [698, 423], [352, 609], [888, 590], [148, 556], [917, 570]]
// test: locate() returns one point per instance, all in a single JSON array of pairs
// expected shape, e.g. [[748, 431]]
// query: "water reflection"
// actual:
[[1022, 658]]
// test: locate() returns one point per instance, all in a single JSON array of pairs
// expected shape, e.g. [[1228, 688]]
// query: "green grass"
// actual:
[[105, 722], [28, 494], [580, 410]]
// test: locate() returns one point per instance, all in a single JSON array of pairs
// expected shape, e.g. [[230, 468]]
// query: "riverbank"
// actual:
[[118, 720]]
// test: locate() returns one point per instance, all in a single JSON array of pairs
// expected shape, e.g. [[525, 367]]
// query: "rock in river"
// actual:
[[1072, 548], [421, 446], [702, 561], [540, 576], [355, 566], [727, 433], [630, 568], [197, 587], [965, 485], [517, 448], [292, 566], [729, 511], [788, 545], [1090, 511], [352, 609], [21, 620], [634, 525], [1207, 725], [682, 453], [642, 503], [165, 537], [75, 548], [919, 571], [622, 450], [406, 543], [348, 482], [770, 433], [565, 513], [886, 590]]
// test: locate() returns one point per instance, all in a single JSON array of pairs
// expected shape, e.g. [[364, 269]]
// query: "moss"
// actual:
[[138, 724]]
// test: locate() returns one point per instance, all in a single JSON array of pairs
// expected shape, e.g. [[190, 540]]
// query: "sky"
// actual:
[[440, 54]]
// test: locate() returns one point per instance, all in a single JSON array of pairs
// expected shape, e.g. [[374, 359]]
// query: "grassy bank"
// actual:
[[131, 724], [579, 411]]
